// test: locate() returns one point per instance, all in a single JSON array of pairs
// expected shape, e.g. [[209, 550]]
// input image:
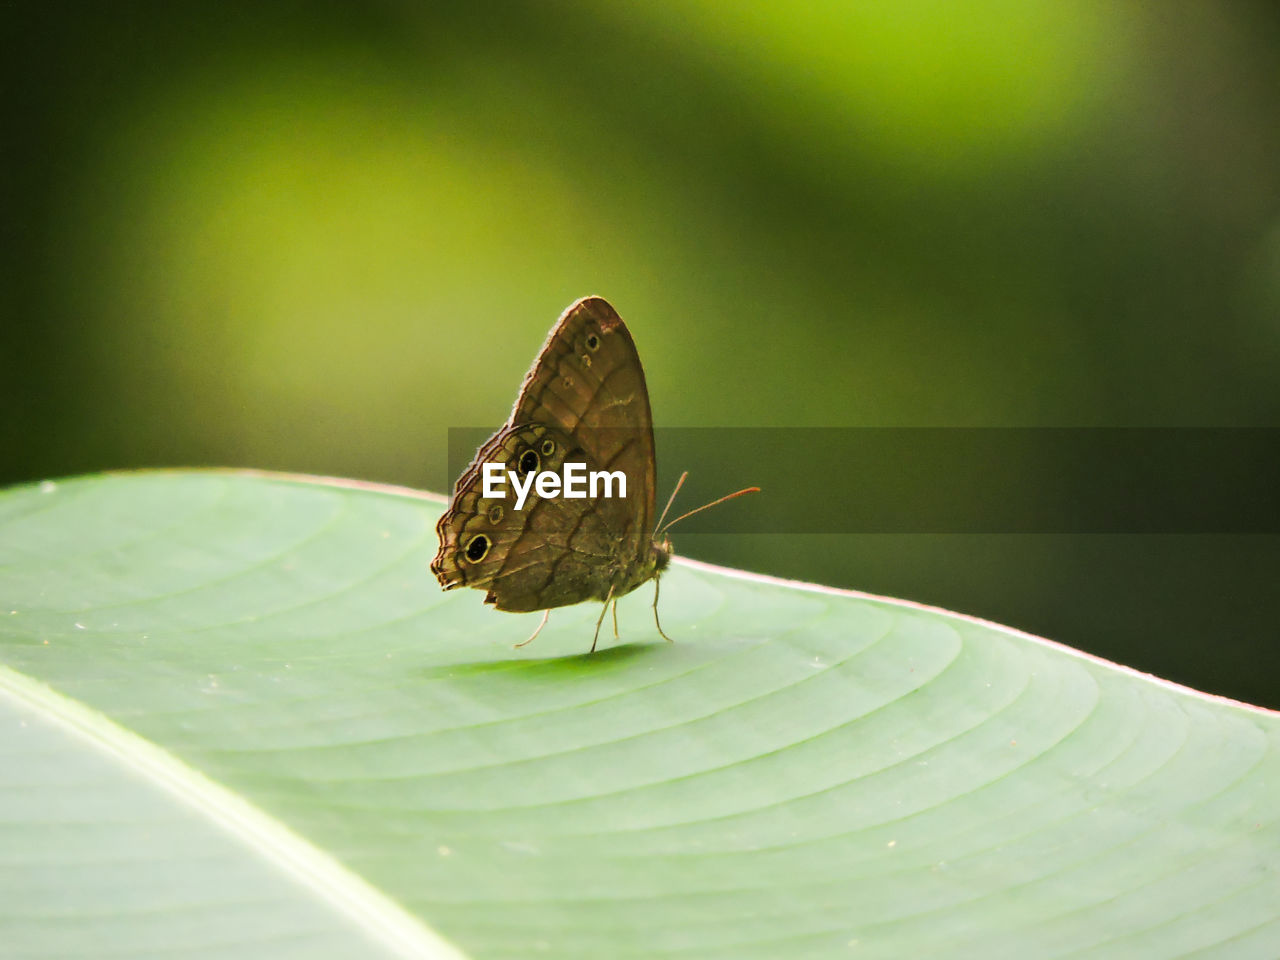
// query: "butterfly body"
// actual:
[[583, 401]]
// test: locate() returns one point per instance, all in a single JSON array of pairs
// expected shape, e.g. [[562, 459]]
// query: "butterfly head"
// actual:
[[660, 554]]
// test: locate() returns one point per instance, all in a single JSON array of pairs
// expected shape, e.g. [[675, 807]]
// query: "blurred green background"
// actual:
[[313, 236]]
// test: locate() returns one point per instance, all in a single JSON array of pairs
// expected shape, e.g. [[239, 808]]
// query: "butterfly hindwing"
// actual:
[[550, 552]]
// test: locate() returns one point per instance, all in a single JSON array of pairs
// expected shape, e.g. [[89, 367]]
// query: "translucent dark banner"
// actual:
[[969, 480]]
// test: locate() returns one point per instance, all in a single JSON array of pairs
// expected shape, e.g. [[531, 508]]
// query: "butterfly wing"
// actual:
[[584, 400], [587, 380], [552, 552]]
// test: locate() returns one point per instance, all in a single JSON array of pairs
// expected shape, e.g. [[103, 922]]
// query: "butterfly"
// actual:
[[584, 401]]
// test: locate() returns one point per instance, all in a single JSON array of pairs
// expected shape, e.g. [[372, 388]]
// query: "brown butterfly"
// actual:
[[583, 401]]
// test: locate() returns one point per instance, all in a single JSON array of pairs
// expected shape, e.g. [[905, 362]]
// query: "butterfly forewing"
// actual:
[[587, 380]]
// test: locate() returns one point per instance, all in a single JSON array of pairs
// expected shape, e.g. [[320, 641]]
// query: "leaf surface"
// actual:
[[239, 718]]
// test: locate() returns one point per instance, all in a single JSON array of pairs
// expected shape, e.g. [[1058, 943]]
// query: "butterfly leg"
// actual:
[[603, 611], [615, 619], [656, 622], [524, 643]]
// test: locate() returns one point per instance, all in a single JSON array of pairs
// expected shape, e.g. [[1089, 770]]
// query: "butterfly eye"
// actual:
[[529, 461], [593, 342], [495, 514], [478, 547], [548, 447]]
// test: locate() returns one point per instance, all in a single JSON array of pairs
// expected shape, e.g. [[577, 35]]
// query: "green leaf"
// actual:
[[238, 718]]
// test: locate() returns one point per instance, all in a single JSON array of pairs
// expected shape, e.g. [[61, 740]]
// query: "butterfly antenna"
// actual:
[[670, 500], [705, 506]]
